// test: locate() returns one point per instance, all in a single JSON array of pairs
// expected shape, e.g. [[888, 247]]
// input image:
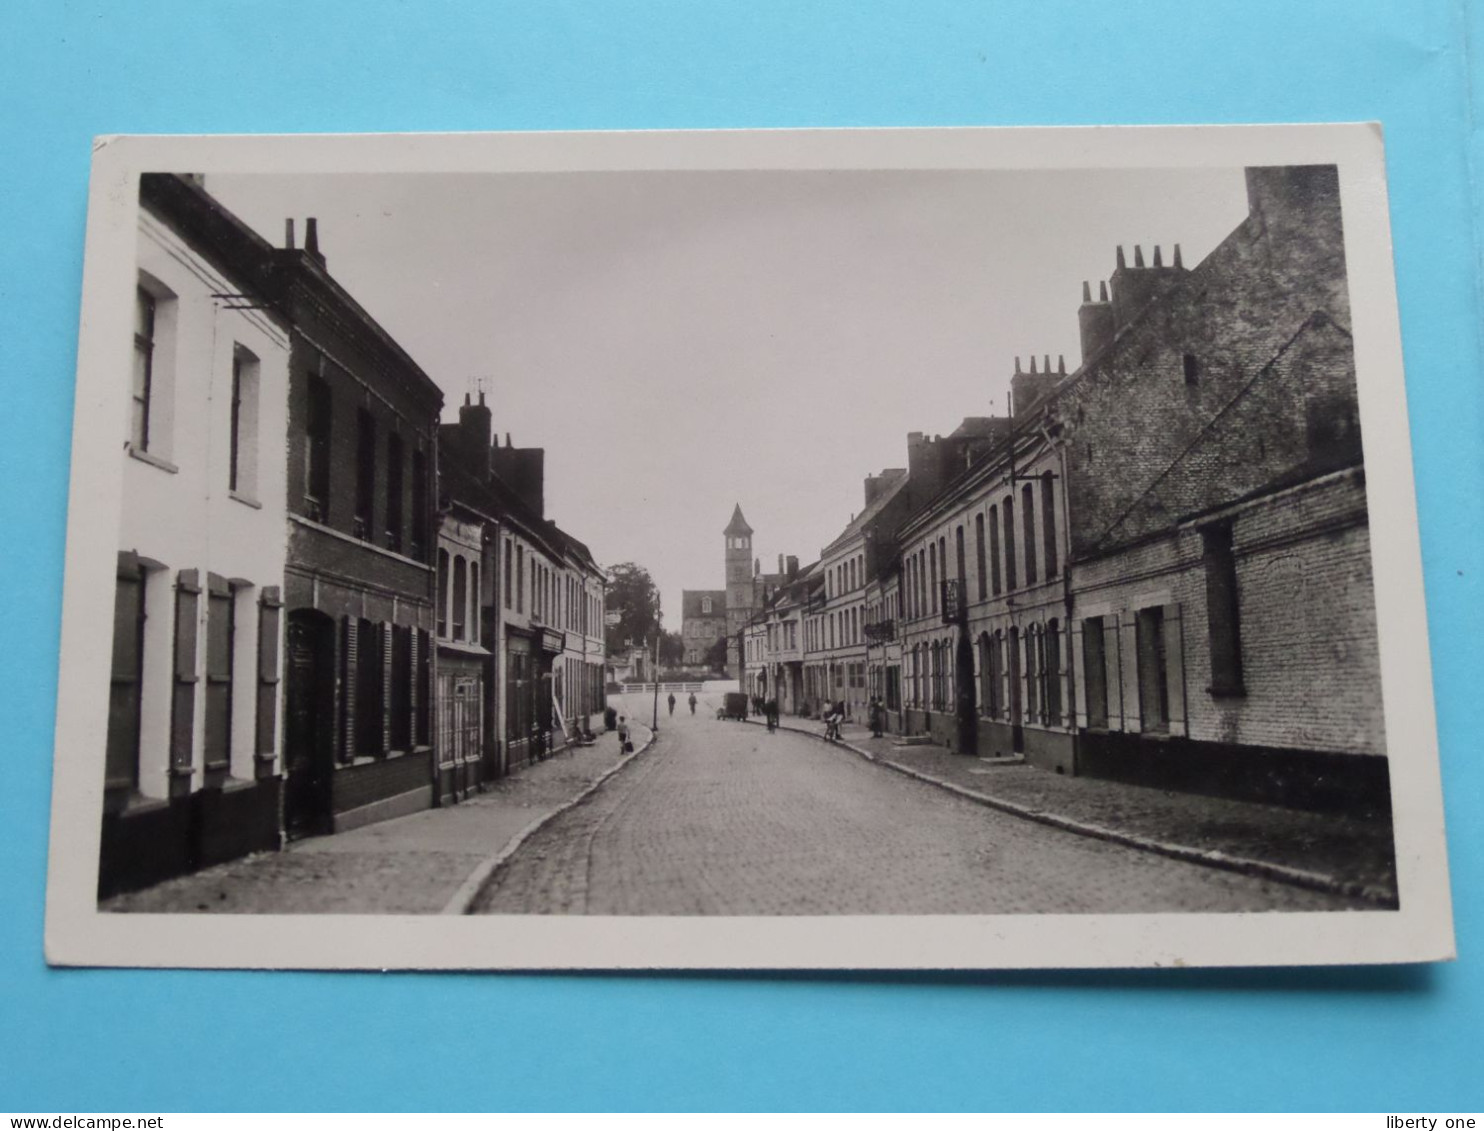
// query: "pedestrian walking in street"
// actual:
[[672, 704], [770, 709], [877, 717], [693, 702], [624, 745]]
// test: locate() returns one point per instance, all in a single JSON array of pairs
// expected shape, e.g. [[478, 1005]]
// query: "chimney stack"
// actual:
[[1138, 255], [311, 240], [1095, 320], [288, 233]]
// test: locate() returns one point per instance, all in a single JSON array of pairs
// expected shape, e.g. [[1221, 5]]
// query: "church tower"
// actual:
[[739, 583]]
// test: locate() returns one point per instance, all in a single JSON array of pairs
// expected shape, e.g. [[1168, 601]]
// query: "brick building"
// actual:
[[1221, 577], [359, 579], [1162, 574], [191, 770]]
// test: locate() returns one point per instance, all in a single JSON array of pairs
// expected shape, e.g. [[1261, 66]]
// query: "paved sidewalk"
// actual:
[[410, 865], [1323, 850]]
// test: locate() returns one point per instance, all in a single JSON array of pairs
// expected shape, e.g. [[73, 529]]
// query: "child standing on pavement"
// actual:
[[624, 745]]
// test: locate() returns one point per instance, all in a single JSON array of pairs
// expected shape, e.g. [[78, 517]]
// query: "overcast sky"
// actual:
[[680, 342]]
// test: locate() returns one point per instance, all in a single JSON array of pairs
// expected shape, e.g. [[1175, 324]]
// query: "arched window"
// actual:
[[1035, 676], [443, 593], [994, 550], [473, 602], [1028, 516], [460, 596], [979, 557], [1007, 512], [996, 702], [986, 675], [1053, 674], [1048, 523]]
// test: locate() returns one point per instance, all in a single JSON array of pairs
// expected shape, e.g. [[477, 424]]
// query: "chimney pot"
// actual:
[[1033, 363], [1177, 256], [1138, 255], [1061, 363], [1046, 368], [1121, 262], [1086, 291], [1017, 363], [1157, 261], [288, 233], [508, 444], [1103, 289], [311, 238]]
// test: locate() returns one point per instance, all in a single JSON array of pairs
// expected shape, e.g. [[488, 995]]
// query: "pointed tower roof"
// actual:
[[738, 525]]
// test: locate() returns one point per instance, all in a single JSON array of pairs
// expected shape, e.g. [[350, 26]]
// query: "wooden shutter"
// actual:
[[270, 606], [385, 630], [121, 763], [1128, 673], [183, 687], [349, 666], [1175, 668], [217, 736]]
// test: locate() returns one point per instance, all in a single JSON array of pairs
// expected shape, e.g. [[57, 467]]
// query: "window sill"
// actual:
[[1227, 692], [245, 500], [153, 460]]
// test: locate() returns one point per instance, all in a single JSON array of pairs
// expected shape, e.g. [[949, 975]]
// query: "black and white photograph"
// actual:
[[919, 548]]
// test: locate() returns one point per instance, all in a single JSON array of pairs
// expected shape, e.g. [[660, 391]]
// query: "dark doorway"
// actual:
[[309, 730]]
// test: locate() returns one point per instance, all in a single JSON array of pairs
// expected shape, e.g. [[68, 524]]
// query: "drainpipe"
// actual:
[[1067, 601]]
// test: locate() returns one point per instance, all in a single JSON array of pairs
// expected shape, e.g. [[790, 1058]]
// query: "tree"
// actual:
[[633, 595], [716, 655], [672, 650]]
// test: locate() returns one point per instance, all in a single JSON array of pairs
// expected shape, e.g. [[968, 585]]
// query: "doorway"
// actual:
[[309, 723]]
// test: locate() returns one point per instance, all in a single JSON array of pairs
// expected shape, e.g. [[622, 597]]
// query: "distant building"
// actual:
[[709, 615], [703, 622], [533, 635]]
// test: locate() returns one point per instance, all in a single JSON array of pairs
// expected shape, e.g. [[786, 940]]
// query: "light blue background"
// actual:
[[103, 1040]]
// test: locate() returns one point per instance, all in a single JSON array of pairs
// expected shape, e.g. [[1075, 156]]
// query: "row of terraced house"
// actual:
[[1157, 567], [330, 609]]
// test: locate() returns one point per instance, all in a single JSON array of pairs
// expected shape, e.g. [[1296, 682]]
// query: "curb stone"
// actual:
[[463, 899], [1210, 858]]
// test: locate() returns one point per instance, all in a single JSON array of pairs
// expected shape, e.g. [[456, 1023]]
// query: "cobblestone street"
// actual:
[[725, 818]]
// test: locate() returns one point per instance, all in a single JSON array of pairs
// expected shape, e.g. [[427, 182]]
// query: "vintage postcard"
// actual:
[[955, 548]]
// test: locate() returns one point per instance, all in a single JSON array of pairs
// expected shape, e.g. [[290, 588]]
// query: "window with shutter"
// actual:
[[220, 628], [1095, 672], [183, 692], [125, 703], [270, 610]]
